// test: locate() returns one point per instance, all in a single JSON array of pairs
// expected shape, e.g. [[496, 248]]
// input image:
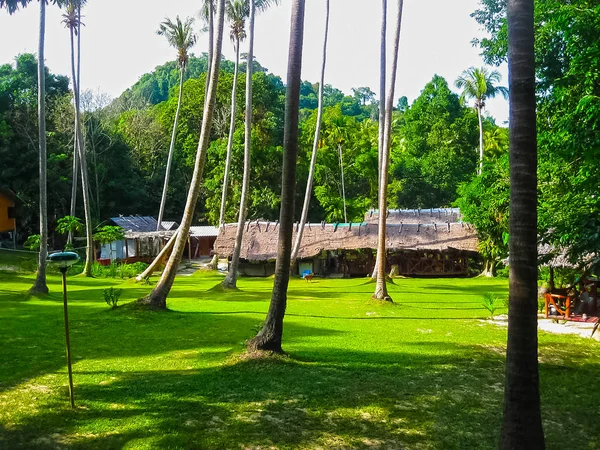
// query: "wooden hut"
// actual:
[[8, 201], [419, 249]]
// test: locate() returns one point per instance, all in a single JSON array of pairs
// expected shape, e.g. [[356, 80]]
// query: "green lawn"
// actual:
[[424, 373]]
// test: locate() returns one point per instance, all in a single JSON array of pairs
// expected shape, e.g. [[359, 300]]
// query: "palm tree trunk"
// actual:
[[269, 337], [40, 286], [74, 183], [211, 43], [480, 141], [343, 182], [157, 299], [522, 423], [230, 280], [163, 200], [382, 70], [231, 132], [89, 253], [313, 159], [381, 287]]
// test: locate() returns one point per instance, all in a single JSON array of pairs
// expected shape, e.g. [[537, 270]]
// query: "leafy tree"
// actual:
[[181, 36], [69, 225], [479, 84]]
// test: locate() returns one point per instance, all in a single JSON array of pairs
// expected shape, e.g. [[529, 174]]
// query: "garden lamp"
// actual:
[[64, 260]]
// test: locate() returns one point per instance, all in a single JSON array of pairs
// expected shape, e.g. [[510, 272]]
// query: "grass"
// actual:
[[424, 373]]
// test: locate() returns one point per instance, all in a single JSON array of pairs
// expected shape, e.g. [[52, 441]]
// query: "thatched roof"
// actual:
[[423, 216], [260, 238]]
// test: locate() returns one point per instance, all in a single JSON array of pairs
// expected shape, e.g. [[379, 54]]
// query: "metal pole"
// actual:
[[63, 270]]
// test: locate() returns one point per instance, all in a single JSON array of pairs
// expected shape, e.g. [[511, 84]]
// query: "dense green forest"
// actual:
[[434, 145]]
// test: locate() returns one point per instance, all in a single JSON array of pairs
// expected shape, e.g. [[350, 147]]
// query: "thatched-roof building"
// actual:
[[349, 249]]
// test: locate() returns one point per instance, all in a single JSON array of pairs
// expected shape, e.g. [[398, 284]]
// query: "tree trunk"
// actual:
[[211, 43], [157, 299], [72, 210], [480, 142], [40, 286], [159, 258], [89, 260], [313, 159], [343, 183], [382, 79], [269, 338], [163, 200], [230, 280], [231, 132], [522, 422], [381, 287]]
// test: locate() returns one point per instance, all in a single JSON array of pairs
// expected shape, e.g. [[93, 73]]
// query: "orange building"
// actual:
[[7, 210]]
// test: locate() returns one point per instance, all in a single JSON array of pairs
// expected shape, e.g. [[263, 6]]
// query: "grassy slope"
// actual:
[[423, 373]]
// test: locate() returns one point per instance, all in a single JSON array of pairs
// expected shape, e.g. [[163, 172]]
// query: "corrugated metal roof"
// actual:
[[136, 223], [166, 225], [205, 231]]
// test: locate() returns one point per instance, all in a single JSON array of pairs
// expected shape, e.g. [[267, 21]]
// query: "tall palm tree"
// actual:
[[39, 286], [236, 13], [157, 299], [480, 84], [381, 287], [313, 159], [522, 422], [269, 337], [72, 21], [207, 14], [382, 82], [231, 278], [180, 36]]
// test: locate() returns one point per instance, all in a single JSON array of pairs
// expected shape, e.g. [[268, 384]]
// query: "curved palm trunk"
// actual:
[[269, 337], [163, 200], [313, 159], [381, 287], [89, 253], [230, 280], [211, 43], [231, 132], [382, 68], [40, 286], [480, 141], [157, 299], [522, 423]]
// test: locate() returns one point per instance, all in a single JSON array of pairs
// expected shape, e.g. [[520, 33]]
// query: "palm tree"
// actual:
[[231, 279], [207, 14], [381, 287], [39, 286], [180, 36], [157, 299], [313, 159], [237, 13], [382, 69], [72, 21], [522, 422], [269, 337], [480, 84]]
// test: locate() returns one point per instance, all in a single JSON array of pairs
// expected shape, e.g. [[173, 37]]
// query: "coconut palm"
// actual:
[[39, 286], [236, 13], [157, 299], [480, 84], [231, 279], [72, 21], [522, 423], [269, 337], [381, 287], [313, 159], [180, 36]]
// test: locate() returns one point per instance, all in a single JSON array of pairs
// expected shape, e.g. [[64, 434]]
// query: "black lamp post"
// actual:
[[64, 260]]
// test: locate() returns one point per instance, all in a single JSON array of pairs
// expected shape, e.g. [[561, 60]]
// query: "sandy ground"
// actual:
[[550, 326]]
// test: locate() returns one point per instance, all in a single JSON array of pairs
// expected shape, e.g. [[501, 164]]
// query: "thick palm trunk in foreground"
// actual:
[[231, 280], [163, 200], [313, 159], [522, 423], [40, 286], [269, 337], [157, 299], [381, 286]]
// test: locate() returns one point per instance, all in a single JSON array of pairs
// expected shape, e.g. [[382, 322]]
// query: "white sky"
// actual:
[[119, 43]]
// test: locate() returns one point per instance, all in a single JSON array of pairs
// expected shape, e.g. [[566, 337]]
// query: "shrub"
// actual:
[[111, 296]]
